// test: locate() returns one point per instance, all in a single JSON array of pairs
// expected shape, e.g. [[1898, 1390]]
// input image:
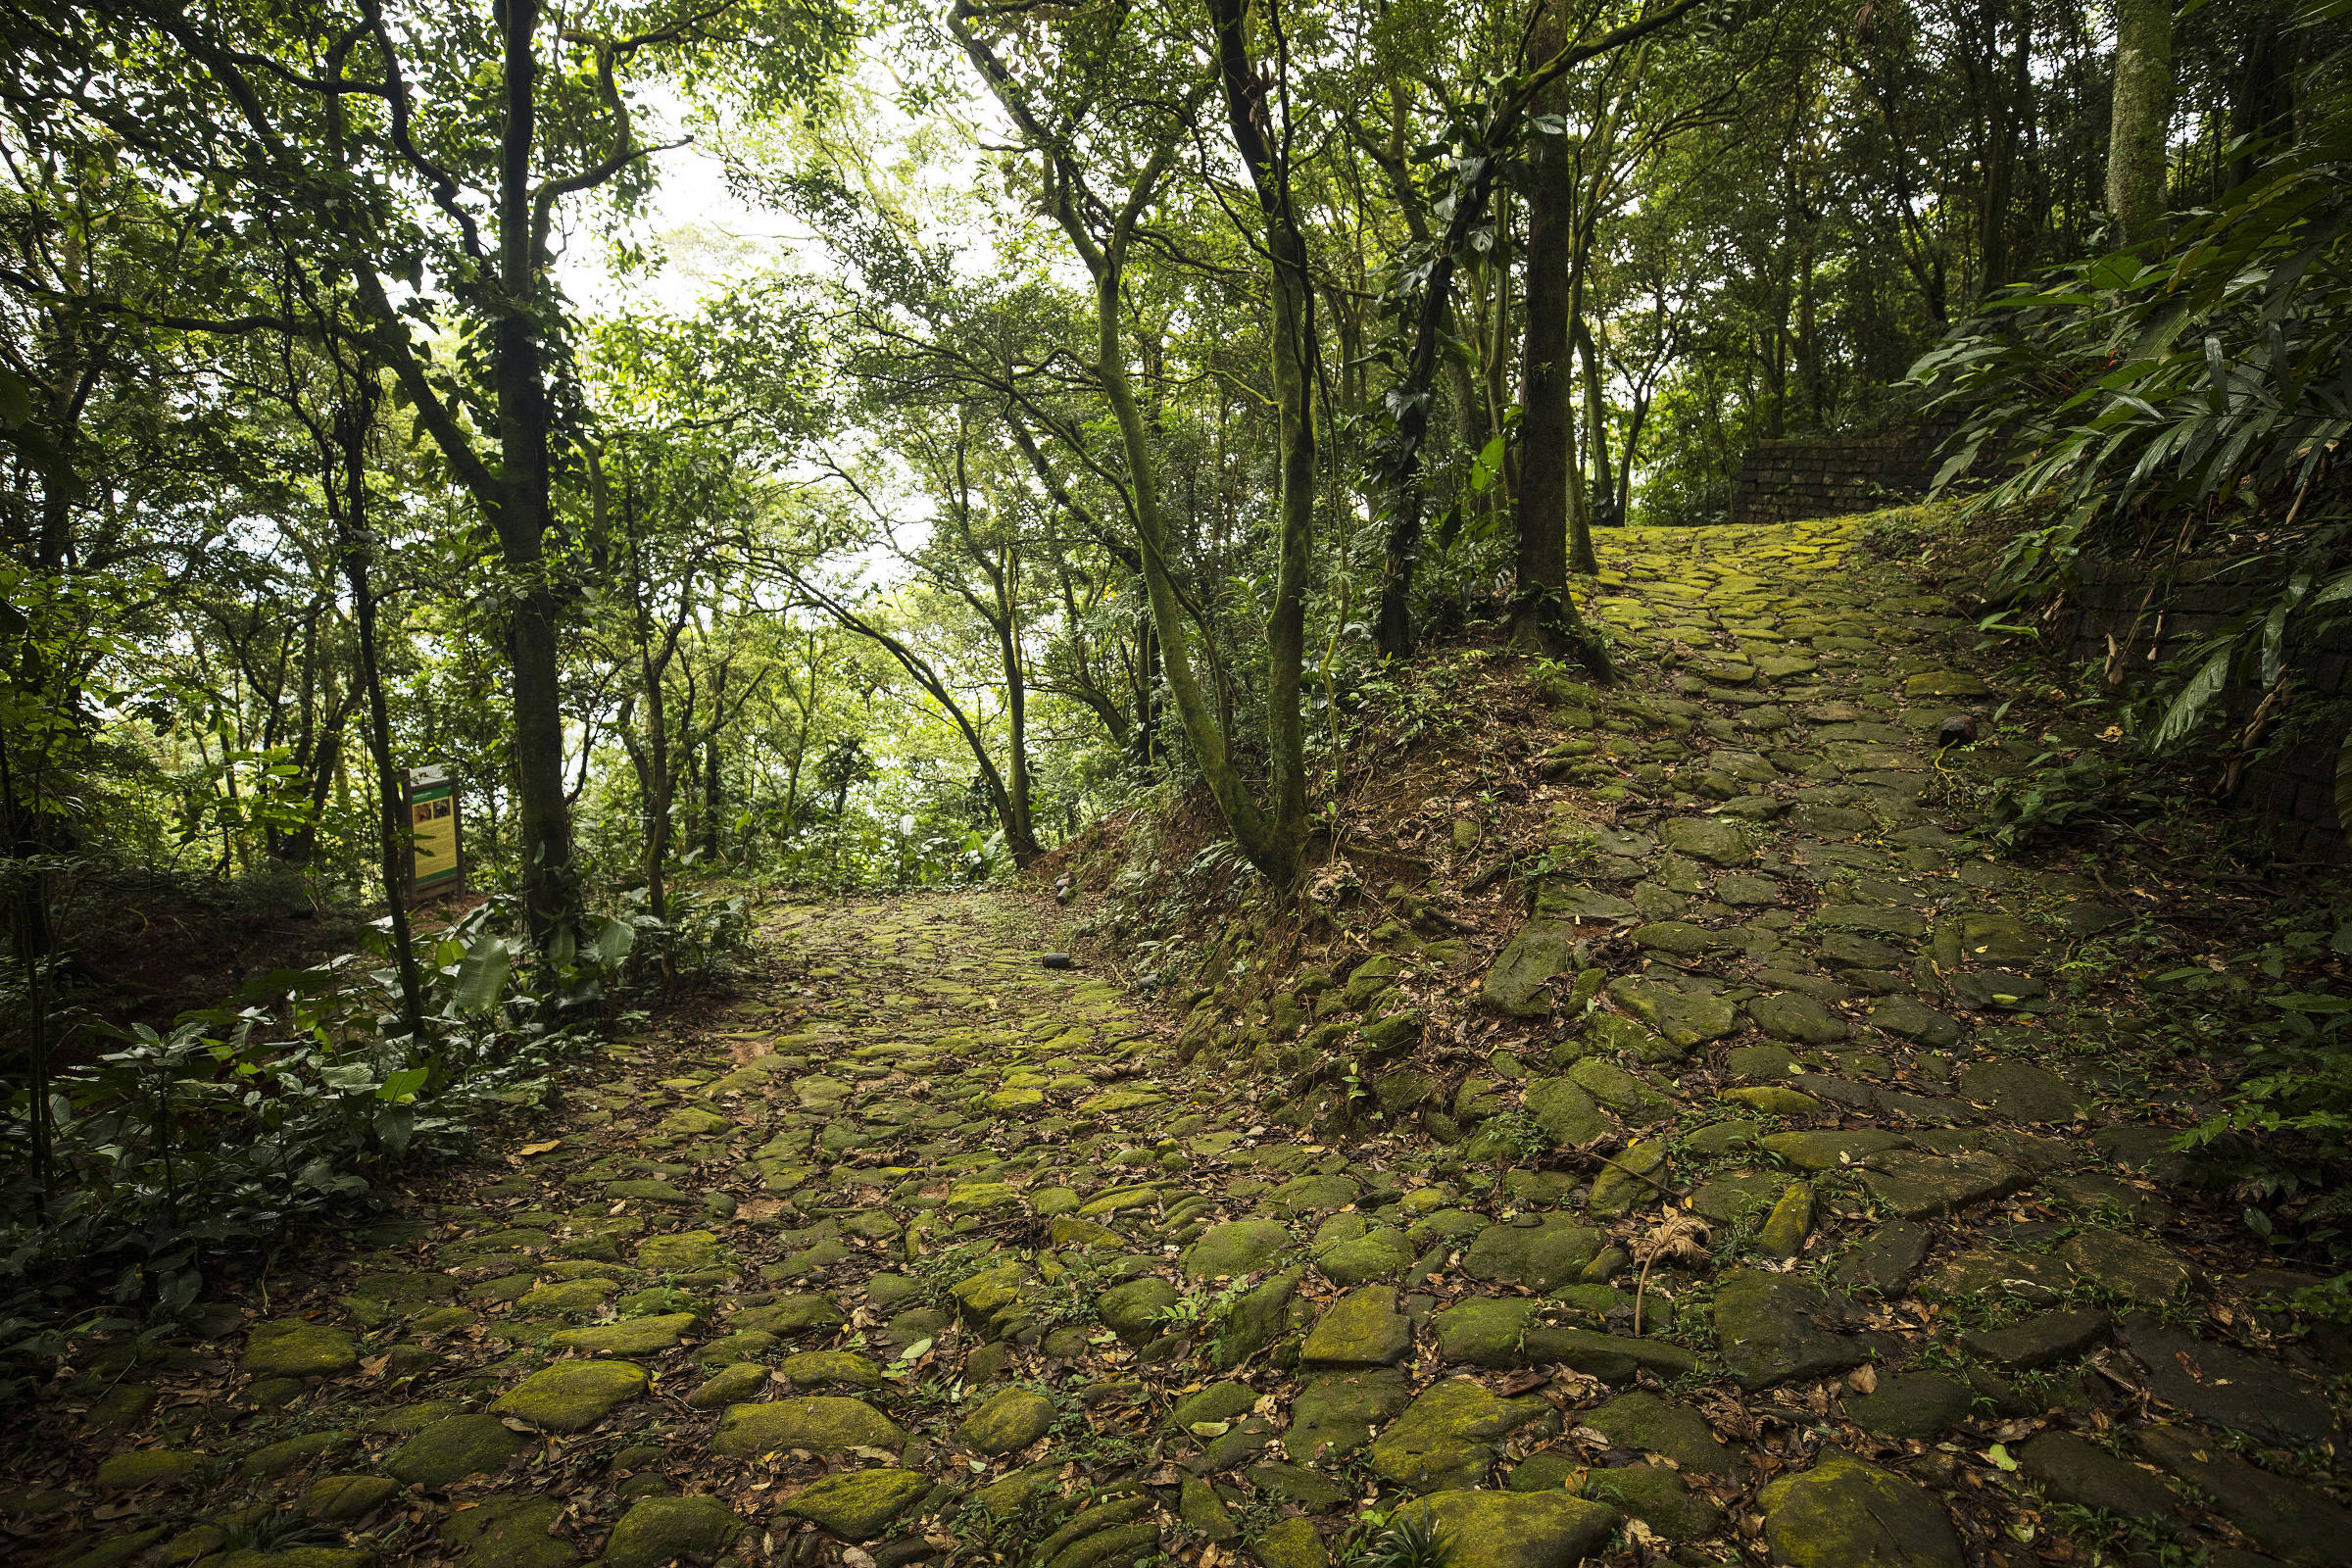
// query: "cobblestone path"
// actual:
[[1793, 1207]]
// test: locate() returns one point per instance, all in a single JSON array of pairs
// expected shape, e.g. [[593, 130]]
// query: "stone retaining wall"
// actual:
[[2153, 614], [1829, 476]]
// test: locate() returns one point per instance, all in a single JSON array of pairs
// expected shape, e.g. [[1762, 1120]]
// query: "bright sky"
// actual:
[[706, 235]]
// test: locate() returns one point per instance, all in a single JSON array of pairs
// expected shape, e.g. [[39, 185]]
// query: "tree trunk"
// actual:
[[550, 887], [2144, 114], [1248, 117], [711, 795], [2007, 86], [1546, 378], [2261, 102], [394, 831], [655, 777], [1020, 832], [1604, 512]]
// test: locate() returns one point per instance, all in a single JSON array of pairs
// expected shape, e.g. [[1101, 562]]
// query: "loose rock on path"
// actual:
[[1793, 1220]]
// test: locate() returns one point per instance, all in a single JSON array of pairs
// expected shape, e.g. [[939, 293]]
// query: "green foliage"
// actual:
[[176, 1150], [1408, 1543], [2057, 792], [2285, 1136], [2184, 405]]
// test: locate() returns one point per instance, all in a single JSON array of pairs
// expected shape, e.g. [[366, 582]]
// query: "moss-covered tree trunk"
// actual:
[[2142, 116]]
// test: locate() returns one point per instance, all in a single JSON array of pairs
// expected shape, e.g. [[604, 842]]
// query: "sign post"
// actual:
[[436, 863]]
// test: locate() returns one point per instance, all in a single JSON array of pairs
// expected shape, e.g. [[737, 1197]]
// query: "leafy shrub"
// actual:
[[177, 1150], [2190, 404], [2286, 1133]]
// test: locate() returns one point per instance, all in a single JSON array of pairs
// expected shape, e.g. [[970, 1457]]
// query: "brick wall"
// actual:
[[1828, 477], [2293, 788]]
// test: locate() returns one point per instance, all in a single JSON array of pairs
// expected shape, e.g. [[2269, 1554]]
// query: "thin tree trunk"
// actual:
[[655, 782], [394, 833], [2142, 116], [1604, 512]]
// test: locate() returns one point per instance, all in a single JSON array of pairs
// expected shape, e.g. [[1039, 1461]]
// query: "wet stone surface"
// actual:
[[1756, 1182]]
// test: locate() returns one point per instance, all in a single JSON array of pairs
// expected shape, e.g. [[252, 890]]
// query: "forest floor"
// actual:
[[1811, 1238]]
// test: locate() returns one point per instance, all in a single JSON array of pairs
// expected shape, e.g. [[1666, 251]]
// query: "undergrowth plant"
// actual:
[[144, 1169], [2188, 405]]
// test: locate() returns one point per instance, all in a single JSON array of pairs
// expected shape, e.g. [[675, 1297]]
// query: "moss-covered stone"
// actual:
[[573, 1396], [509, 1531], [1519, 982], [1543, 1472], [1773, 1099], [453, 1449], [1658, 1496], [1236, 1247], [1007, 1423], [1911, 1404], [1487, 1331], [1308, 1194], [1257, 1319], [1784, 1231], [1619, 1090], [197, 1541], [821, 1424], [338, 1499], [1001, 1499], [1830, 1148], [729, 1385], [1219, 1403], [1204, 1512], [1843, 1513], [1452, 1433], [1133, 1310], [147, 1467], [290, 1557], [1543, 1256], [745, 1345], [830, 1369], [1720, 1137], [802, 1313], [291, 1348], [657, 1530], [1651, 1425], [126, 1404], [567, 1298], [1793, 1015], [637, 1336], [1362, 1328], [859, 1504], [1716, 840], [2069, 1469], [680, 1252], [1635, 1178], [1769, 1328], [292, 1453], [1917, 1186], [1292, 1543], [1512, 1528], [1569, 1117], [1337, 1413]]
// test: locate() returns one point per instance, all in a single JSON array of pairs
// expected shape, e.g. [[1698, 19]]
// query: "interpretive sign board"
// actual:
[[436, 860]]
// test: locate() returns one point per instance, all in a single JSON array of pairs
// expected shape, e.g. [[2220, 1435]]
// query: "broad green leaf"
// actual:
[[614, 942], [482, 975], [2311, 1002], [2195, 697], [403, 1084]]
